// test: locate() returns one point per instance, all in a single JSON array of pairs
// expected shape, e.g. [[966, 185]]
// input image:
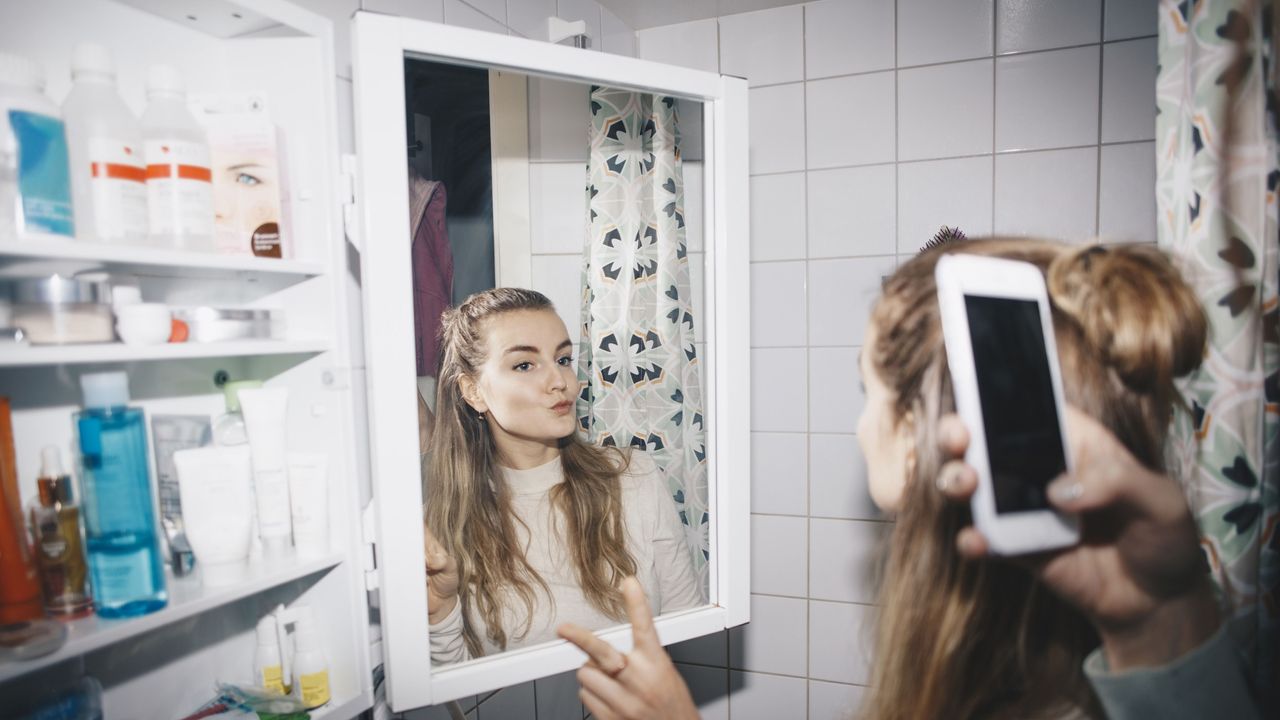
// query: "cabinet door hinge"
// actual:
[[368, 553], [347, 198]]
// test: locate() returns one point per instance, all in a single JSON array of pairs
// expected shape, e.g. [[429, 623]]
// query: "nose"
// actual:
[[558, 380]]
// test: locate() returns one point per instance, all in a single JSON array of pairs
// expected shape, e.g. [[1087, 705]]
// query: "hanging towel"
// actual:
[[432, 268]]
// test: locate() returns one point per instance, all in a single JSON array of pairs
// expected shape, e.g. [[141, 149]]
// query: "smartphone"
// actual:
[[998, 332]]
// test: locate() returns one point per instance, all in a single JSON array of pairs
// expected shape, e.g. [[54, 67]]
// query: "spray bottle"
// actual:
[[310, 668]]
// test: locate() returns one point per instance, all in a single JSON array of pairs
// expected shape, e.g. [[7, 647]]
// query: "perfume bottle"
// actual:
[[125, 562], [55, 523]]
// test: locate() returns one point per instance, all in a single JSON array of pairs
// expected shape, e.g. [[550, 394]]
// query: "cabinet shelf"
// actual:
[[37, 355], [139, 260], [187, 598]]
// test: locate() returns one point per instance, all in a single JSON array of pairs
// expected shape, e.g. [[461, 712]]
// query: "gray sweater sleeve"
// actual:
[[1210, 681]]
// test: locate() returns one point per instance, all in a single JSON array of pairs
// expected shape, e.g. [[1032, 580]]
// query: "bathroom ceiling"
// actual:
[[641, 14]]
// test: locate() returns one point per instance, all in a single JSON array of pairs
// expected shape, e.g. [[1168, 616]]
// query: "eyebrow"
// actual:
[[242, 166], [529, 348]]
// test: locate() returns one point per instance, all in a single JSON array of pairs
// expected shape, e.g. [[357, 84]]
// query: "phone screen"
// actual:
[[1024, 440]]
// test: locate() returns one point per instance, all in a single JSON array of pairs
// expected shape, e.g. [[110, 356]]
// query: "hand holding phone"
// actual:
[[998, 332], [1141, 581]]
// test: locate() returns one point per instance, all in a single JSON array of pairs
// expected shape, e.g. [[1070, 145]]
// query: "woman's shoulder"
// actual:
[[636, 466]]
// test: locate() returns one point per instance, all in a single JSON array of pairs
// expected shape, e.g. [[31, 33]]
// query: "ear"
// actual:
[[905, 437], [471, 394]]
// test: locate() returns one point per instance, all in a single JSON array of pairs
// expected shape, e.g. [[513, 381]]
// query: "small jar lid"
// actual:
[[59, 289]]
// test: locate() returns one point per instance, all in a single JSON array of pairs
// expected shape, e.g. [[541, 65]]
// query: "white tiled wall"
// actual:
[[872, 124]]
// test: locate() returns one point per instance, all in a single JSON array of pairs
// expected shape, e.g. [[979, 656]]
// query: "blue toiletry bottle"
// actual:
[[119, 509]]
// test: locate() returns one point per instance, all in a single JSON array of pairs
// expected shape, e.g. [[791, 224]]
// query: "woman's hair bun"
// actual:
[[1135, 309]]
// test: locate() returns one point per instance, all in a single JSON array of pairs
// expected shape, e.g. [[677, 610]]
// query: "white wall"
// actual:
[[872, 123]]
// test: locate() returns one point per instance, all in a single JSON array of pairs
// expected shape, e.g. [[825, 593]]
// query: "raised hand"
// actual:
[[442, 577], [641, 685], [1137, 572]]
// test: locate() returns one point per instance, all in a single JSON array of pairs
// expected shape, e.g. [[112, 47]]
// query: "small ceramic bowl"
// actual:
[[144, 323]]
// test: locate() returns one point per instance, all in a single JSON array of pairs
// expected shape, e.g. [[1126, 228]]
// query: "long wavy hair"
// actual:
[[958, 638], [468, 505]]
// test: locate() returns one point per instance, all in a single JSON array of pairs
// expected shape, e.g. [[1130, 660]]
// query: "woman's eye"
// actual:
[[247, 179], [566, 361], [523, 367]]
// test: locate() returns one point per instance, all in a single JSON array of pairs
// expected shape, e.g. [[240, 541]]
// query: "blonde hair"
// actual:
[[468, 506], [964, 639]]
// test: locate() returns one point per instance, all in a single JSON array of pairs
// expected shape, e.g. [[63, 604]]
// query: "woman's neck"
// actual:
[[526, 454]]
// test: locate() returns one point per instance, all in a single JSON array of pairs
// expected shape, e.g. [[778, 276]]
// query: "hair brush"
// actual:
[[944, 236]]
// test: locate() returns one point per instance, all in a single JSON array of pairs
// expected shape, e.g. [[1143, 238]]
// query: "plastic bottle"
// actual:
[[19, 575], [179, 179], [229, 428], [119, 507], [55, 522], [268, 669], [35, 187], [310, 668], [108, 171]]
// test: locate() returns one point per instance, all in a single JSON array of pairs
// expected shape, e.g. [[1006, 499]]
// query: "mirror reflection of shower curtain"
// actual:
[[637, 360]]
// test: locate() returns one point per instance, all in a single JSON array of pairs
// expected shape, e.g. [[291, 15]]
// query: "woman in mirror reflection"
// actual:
[[527, 525], [1123, 625]]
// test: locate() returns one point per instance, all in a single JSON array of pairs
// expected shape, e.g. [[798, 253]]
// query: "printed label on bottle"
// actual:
[[118, 187], [179, 188], [273, 679], [315, 688], [44, 179], [121, 577]]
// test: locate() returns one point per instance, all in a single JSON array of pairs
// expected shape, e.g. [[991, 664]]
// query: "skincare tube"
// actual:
[[264, 418], [169, 434], [309, 501], [217, 491]]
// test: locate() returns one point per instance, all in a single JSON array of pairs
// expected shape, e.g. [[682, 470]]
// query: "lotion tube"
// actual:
[[265, 414], [309, 502], [216, 487]]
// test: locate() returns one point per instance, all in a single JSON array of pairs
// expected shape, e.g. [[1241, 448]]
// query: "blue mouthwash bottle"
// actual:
[[119, 509]]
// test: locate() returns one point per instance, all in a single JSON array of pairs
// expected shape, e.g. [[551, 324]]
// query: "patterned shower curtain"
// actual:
[[1218, 170], [637, 362]]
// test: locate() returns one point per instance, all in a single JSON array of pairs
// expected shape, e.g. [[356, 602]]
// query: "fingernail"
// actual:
[[1065, 490], [944, 480]]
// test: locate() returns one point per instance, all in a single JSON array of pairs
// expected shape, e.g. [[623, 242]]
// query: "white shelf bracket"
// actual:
[[368, 554], [347, 197]]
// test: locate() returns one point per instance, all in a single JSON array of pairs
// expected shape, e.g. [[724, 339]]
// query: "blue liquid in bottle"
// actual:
[[120, 524]]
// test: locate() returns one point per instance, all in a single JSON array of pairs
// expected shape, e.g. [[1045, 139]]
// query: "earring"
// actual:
[[480, 415]]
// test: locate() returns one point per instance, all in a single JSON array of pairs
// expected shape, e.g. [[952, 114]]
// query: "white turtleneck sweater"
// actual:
[[655, 539]]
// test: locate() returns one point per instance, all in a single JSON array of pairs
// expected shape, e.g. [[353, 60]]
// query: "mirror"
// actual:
[[537, 516], [616, 189]]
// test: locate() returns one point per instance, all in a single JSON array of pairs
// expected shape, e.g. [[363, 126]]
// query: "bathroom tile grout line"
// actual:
[[995, 105], [808, 330], [956, 61], [917, 161], [1097, 182]]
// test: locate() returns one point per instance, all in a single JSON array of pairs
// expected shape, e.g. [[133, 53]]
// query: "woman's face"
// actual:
[[886, 444], [246, 195], [527, 384]]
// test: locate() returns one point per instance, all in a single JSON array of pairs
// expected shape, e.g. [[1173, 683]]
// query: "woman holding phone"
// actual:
[[1103, 628]]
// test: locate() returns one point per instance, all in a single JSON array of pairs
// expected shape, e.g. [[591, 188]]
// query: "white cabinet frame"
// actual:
[[381, 44]]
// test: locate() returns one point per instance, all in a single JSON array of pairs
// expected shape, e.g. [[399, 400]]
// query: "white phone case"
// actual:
[[958, 275]]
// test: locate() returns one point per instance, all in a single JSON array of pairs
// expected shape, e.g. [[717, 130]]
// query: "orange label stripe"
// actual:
[[184, 172], [119, 172]]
